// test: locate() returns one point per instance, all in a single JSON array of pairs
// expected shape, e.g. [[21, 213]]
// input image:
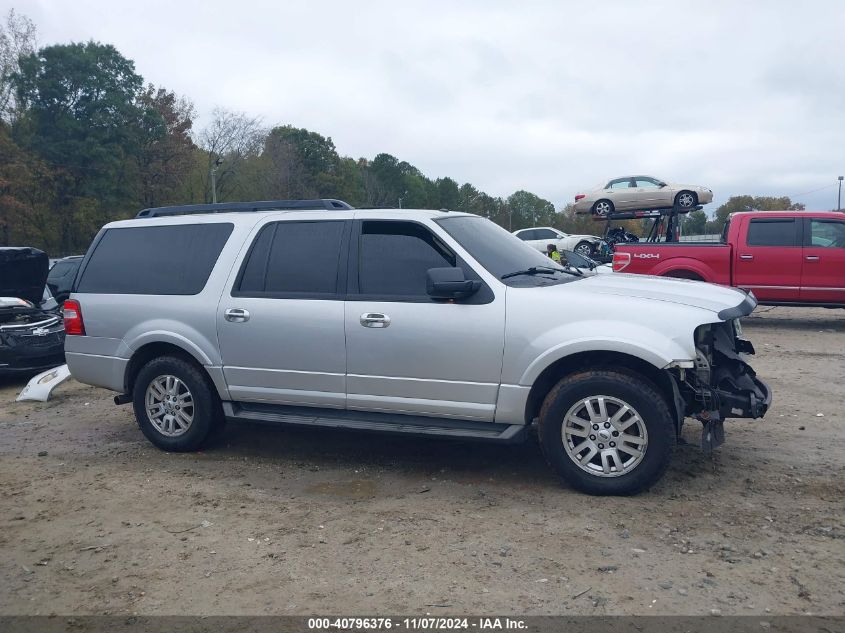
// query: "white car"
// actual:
[[541, 236]]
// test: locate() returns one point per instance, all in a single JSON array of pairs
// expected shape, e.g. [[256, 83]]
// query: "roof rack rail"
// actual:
[[322, 204]]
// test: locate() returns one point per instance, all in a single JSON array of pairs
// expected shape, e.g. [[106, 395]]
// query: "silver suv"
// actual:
[[420, 322]]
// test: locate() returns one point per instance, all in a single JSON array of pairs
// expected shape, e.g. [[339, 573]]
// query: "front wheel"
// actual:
[[686, 200], [174, 404], [584, 248], [607, 432]]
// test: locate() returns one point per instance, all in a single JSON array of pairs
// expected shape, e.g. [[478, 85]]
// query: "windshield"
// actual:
[[504, 254]]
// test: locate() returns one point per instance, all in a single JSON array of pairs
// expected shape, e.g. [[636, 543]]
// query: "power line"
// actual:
[[812, 191]]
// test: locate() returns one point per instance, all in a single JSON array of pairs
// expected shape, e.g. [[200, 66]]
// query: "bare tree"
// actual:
[[233, 137], [17, 39]]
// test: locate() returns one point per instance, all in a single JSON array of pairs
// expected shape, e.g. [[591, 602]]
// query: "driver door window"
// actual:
[[827, 234], [394, 258], [646, 183]]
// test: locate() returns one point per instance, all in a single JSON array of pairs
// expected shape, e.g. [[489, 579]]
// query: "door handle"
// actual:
[[236, 315], [813, 258], [375, 319], [747, 257]]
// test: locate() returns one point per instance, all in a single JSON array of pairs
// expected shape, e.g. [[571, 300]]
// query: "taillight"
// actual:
[[73, 318], [621, 261], [579, 196]]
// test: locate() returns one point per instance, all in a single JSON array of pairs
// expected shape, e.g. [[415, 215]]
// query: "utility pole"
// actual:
[[217, 164], [839, 199]]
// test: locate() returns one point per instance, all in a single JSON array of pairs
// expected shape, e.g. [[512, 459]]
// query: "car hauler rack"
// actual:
[[665, 221]]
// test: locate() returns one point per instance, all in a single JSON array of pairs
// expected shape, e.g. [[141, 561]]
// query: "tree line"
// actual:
[[85, 140]]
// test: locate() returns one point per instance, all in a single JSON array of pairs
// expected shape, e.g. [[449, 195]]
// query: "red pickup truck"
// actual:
[[784, 257]]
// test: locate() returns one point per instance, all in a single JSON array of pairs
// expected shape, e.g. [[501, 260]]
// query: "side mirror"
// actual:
[[662, 184], [449, 283]]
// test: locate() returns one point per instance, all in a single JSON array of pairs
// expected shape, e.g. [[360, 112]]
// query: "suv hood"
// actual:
[[23, 273], [681, 291]]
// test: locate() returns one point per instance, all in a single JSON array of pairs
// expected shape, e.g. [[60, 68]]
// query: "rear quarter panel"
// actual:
[[710, 262]]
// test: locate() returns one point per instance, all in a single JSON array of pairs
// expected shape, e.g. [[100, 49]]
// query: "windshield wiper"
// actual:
[[538, 270]]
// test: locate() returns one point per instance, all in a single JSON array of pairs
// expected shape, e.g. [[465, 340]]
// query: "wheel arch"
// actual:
[[683, 267], [683, 273], [157, 349], [612, 360], [694, 195]]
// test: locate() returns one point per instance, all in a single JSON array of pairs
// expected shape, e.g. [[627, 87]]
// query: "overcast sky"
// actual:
[[553, 97]]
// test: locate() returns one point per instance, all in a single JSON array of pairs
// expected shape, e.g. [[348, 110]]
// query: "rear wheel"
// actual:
[[174, 404], [607, 432], [603, 207]]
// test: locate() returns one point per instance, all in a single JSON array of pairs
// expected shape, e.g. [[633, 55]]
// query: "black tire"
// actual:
[[634, 391], [686, 199], [584, 248], [206, 412], [602, 208]]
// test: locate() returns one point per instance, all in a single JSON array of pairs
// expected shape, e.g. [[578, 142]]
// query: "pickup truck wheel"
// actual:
[[686, 200], [584, 248], [603, 207], [175, 406], [606, 432]]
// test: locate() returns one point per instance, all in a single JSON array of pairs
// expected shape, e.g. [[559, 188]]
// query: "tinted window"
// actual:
[[527, 235], [293, 258], [780, 232], [827, 233], [154, 260], [395, 257], [62, 269], [545, 234]]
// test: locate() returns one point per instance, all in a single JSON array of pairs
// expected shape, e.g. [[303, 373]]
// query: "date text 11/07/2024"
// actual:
[[421, 623]]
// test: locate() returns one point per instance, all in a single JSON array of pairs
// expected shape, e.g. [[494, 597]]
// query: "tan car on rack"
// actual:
[[634, 193]]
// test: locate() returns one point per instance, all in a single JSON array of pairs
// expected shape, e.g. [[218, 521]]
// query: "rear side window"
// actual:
[[395, 257], [293, 259], [774, 232], [61, 269], [154, 260]]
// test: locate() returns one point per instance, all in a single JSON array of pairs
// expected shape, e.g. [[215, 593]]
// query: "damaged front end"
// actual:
[[31, 339], [32, 332], [721, 384]]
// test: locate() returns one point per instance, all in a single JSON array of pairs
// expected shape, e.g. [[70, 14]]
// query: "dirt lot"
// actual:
[[94, 520]]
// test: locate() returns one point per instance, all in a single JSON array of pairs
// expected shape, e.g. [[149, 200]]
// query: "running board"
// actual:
[[376, 422]]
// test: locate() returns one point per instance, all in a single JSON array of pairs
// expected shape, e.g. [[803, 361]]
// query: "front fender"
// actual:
[[650, 345]]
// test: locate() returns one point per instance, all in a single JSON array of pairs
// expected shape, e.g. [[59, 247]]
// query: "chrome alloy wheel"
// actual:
[[686, 200], [169, 405], [604, 436], [602, 208]]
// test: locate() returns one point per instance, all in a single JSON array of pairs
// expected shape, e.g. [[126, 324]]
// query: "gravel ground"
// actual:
[[94, 520]]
